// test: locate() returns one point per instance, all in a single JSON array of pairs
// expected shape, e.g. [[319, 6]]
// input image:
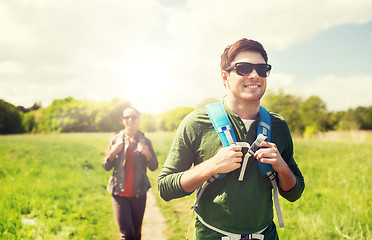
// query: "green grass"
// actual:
[[57, 181], [338, 198]]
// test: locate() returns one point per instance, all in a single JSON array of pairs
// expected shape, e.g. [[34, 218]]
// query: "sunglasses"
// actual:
[[245, 68], [133, 117]]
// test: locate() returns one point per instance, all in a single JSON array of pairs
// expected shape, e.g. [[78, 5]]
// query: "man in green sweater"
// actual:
[[229, 207]]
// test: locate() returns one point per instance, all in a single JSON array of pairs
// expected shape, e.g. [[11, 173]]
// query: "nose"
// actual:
[[253, 74]]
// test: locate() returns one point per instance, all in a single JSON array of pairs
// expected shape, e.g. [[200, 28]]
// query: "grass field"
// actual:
[[56, 181], [53, 187]]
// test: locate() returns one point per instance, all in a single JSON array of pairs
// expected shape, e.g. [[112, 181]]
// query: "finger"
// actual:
[[258, 153], [271, 148], [238, 160], [267, 154], [238, 154], [267, 160], [267, 145], [236, 166], [264, 145], [235, 148]]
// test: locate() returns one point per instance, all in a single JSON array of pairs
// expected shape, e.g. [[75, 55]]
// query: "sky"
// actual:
[[162, 54]]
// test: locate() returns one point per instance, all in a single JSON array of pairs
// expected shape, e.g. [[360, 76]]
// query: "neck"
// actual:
[[244, 109], [130, 133]]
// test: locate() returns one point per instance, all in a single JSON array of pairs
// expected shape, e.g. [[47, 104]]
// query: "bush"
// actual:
[[10, 119]]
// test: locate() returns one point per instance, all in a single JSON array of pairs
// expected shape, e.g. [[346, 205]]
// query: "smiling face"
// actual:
[[130, 120], [249, 88]]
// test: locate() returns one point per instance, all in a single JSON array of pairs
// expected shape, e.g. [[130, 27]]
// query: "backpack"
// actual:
[[225, 131]]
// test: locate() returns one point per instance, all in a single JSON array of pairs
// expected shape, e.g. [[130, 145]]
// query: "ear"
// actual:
[[225, 78]]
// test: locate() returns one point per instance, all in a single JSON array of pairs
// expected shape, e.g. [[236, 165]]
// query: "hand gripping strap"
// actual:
[[222, 124]]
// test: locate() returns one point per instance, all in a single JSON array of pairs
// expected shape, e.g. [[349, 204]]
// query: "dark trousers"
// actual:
[[128, 213]]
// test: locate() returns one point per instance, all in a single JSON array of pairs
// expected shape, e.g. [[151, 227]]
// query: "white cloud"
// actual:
[[101, 50], [341, 93], [280, 81], [278, 24], [8, 67]]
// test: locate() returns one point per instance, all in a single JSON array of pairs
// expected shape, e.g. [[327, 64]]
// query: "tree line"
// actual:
[[304, 117]]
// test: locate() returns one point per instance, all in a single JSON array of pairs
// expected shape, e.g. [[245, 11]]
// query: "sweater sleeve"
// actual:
[[106, 164], [287, 154], [153, 163], [180, 159]]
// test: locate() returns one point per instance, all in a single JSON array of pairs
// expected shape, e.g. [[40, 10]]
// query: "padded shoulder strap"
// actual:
[[221, 123], [264, 126]]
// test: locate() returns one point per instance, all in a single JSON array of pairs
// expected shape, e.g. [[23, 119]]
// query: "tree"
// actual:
[[170, 120], [10, 118], [34, 107], [148, 122], [207, 101], [314, 115], [71, 115], [363, 116], [355, 119], [287, 106], [28, 122], [347, 121]]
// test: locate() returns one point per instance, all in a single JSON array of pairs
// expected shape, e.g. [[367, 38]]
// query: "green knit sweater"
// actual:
[[234, 206]]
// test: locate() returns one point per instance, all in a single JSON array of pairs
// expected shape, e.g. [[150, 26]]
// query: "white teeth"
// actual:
[[252, 86]]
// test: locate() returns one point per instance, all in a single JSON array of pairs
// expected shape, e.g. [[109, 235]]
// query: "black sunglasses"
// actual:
[[134, 118], [245, 68]]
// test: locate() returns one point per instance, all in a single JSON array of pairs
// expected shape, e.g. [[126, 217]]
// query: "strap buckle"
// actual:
[[246, 237], [224, 128], [227, 130], [271, 175]]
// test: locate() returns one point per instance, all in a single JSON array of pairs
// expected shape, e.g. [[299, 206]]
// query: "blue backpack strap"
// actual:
[[221, 123], [266, 169], [264, 127], [224, 129]]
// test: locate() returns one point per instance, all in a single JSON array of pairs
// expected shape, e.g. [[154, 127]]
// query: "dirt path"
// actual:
[[154, 222]]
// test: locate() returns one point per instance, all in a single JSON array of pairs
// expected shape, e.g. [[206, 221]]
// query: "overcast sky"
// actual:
[[160, 54]]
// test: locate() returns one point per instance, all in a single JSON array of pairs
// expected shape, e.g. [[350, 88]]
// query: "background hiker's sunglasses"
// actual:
[[245, 68], [133, 118]]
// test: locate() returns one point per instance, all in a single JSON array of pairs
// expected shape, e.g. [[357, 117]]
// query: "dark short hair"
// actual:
[[242, 45], [135, 110]]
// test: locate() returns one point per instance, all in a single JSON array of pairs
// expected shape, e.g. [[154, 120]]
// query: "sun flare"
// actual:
[[148, 83]]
